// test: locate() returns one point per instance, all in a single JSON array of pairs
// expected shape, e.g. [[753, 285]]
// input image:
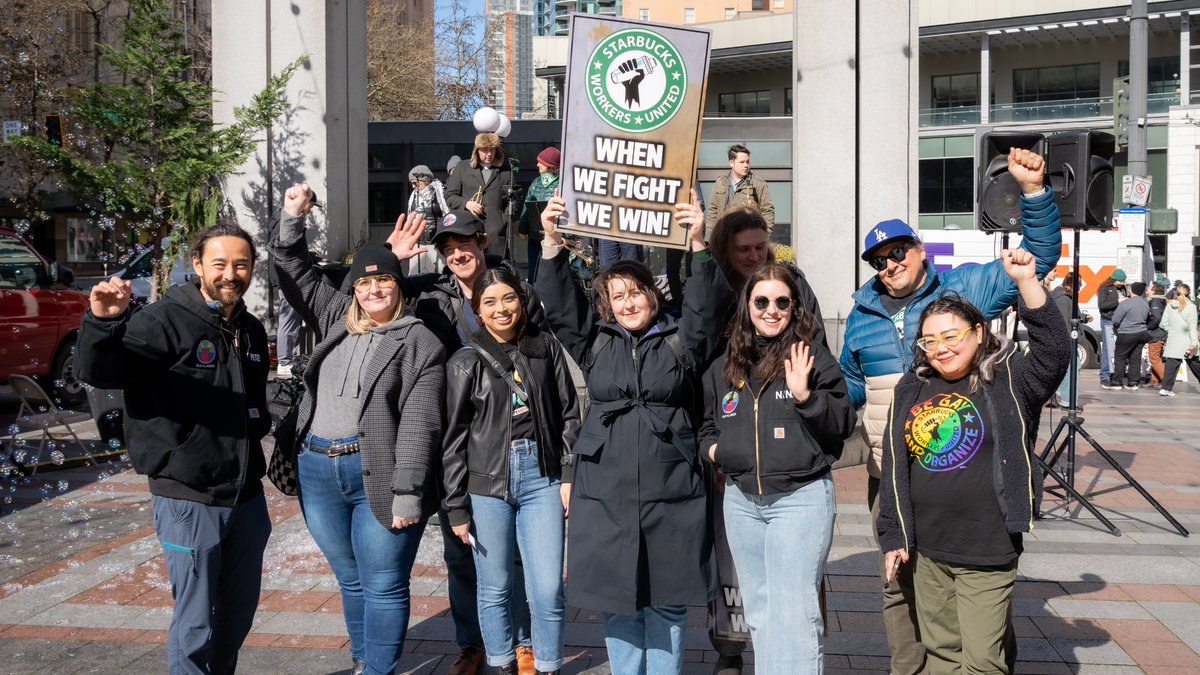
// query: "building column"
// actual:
[[854, 155], [1185, 60], [320, 140], [985, 79]]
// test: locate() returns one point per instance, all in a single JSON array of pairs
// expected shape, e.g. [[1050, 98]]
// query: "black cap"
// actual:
[[460, 223], [374, 259]]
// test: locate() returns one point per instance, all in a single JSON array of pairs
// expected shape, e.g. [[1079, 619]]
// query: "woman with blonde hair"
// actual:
[[1179, 321], [371, 419]]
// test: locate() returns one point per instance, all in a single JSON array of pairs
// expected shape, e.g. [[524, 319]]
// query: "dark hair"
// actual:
[[735, 149], [501, 274], [1157, 288], [983, 366], [734, 222], [743, 354], [633, 271], [223, 228], [1068, 282], [1137, 288]]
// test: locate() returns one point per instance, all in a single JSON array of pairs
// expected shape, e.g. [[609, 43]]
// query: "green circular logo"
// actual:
[[636, 80]]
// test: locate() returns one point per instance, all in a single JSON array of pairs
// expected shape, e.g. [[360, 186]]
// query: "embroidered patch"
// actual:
[[729, 403], [256, 358], [206, 352], [372, 268], [778, 433], [254, 413]]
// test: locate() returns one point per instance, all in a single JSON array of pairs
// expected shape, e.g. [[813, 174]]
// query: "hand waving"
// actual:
[[405, 235], [109, 299], [796, 371]]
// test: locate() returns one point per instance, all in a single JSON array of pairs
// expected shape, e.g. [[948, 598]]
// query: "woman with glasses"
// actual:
[[371, 420], [776, 414], [959, 481]]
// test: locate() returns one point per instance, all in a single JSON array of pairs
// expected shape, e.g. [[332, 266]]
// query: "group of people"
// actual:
[[449, 392]]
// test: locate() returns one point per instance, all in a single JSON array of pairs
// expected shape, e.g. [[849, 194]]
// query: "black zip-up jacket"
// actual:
[[479, 410], [1023, 382], [195, 393], [766, 442], [1107, 299]]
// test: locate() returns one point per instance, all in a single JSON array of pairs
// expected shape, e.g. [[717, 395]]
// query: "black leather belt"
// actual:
[[335, 450]]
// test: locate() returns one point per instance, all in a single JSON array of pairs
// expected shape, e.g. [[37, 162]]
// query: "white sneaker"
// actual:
[[283, 372], [1165, 392]]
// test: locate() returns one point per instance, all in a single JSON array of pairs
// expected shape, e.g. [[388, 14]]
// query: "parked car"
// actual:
[[137, 273], [39, 320]]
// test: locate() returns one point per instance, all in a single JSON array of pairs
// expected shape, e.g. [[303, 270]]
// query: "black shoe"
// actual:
[[1111, 386], [728, 665]]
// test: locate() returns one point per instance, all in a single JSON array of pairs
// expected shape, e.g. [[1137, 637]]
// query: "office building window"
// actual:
[[689, 15], [777, 4], [787, 101], [758, 5], [1056, 83], [745, 103], [1162, 74], [730, 13], [954, 91], [946, 185], [644, 14]]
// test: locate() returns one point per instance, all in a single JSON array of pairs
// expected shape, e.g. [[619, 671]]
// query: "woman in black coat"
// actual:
[[639, 549]]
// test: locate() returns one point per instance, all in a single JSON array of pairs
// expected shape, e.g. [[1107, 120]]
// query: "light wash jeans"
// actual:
[[780, 543], [531, 517], [1108, 343], [372, 563], [647, 643]]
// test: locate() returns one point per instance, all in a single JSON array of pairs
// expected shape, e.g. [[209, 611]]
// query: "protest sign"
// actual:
[[631, 128]]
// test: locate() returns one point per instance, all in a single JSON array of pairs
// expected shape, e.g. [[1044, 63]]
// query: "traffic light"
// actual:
[[999, 195], [1120, 108], [54, 129]]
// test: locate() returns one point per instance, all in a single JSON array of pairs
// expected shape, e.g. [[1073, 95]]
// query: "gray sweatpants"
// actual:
[[214, 560]]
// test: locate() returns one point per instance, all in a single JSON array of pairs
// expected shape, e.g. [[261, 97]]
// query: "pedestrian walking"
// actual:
[[775, 417], [193, 367], [638, 547], [512, 417], [960, 484], [1130, 323], [372, 422]]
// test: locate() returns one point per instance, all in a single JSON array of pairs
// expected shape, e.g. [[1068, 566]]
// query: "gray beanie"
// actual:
[[420, 172], [452, 163]]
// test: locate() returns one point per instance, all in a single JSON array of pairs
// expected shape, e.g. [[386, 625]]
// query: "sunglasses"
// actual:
[[929, 345], [782, 303], [879, 263], [383, 281]]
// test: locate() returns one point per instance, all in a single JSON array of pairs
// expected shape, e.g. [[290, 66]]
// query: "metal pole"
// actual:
[[1138, 28]]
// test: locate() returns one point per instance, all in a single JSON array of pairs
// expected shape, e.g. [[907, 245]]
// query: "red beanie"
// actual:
[[550, 157]]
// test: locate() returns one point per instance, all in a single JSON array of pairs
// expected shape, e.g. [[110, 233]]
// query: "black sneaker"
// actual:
[[1111, 386]]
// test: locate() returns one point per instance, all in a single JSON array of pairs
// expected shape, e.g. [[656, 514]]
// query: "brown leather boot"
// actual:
[[525, 661], [468, 662]]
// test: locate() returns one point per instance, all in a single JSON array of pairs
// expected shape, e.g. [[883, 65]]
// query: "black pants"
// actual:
[[679, 264], [1171, 367], [1128, 365]]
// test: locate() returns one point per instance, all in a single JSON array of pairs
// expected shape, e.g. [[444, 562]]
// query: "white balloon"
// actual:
[[505, 127], [486, 120]]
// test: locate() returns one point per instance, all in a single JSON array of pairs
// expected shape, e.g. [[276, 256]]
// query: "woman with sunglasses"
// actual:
[[775, 417], [512, 417], [959, 481], [371, 420]]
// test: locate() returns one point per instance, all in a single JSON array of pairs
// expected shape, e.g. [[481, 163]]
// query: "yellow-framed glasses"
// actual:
[[383, 281], [949, 338]]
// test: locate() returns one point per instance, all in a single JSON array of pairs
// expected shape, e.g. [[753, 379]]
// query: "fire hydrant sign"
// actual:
[[631, 128]]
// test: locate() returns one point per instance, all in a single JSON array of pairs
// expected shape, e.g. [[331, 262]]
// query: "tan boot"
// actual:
[[525, 661], [468, 662]]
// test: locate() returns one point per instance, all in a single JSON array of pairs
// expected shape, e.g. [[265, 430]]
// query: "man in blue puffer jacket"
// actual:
[[881, 330]]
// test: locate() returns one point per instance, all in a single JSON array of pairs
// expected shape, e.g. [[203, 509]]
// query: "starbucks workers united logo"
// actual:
[[636, 80]]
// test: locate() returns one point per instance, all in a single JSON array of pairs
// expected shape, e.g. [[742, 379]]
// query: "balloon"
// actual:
[[505, 127], [486, 120]]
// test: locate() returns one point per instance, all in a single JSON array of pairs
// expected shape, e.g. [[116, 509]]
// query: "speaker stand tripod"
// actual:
[[1072, 426]]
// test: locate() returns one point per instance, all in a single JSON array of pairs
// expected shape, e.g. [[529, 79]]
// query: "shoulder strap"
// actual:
[[500, 370], [682, 357], [598, 345]]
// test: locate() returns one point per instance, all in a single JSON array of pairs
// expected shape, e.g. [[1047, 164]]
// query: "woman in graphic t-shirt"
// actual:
[[959, 481]]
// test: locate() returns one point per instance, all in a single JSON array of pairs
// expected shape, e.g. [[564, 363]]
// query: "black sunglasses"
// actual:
[[782, 303], [879, 262]]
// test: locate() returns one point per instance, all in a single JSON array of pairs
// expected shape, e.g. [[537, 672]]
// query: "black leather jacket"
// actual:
[[479, 424]]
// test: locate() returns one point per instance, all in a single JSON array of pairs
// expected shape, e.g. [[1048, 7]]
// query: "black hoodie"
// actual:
[[195, 393]]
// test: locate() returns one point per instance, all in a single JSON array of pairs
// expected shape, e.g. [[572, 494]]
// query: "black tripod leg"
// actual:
[[1079, 497], [1129, 479], [1062, 424]]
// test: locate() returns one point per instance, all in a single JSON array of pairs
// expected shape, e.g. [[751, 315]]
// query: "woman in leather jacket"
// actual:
[[513, 417]]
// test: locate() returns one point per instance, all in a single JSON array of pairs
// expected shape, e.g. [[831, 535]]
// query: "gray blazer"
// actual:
[[401, 422]]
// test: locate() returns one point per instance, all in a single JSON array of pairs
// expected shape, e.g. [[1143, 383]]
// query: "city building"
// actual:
[[700, 11], [510, 56], [551, 17]]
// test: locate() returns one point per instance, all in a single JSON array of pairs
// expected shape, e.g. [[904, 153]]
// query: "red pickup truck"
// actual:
[[39, 320]]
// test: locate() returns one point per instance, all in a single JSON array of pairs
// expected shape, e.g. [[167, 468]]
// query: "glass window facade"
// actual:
[[1162, 74], [1056, 83], [946, 185], [954, 91], [745, 103]]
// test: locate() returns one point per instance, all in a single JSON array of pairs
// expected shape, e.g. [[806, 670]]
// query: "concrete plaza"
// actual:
[[83, 590]]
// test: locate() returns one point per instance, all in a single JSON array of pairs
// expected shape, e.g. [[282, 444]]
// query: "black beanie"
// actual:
[[374, 259]]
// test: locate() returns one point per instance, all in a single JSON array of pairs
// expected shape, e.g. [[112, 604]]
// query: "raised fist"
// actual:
[[633, 84]]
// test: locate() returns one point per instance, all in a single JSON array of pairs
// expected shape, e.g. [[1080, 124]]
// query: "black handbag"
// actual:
[[285, 408]]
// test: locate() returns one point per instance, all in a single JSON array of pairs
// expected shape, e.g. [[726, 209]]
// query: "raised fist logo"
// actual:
[[630, 74]]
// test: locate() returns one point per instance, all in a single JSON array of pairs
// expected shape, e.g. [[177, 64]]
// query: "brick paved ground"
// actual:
[[82, 587]]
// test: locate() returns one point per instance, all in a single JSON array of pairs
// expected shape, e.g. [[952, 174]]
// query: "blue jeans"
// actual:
[[780, 543], [647, 643], [372, 563], [611, 251], [531, 518], [1108, 341]]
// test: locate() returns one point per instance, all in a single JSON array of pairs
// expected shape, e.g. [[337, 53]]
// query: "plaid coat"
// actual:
[[401, 421]]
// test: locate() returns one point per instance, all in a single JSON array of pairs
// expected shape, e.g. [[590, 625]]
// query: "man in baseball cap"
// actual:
[[880, 335]]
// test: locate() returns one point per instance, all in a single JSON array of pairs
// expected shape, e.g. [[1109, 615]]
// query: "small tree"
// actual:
[[400, 66], [461, 86], [146, 148]]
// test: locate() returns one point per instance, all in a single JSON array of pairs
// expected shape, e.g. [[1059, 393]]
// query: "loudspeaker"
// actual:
[[1081, 174], [999, 195]]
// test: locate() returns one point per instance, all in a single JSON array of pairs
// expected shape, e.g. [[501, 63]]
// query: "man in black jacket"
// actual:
[[484, 189], [194, 369]]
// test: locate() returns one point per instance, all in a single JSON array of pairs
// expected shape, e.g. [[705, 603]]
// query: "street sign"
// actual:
[[12, 129], [1131, 226], [1136, 191]]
